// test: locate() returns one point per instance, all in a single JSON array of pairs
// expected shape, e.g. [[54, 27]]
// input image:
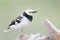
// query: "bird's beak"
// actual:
[[34, 11]]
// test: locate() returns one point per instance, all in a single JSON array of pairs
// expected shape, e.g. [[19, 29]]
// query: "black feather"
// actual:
[[19, 17], [18, 21], [28, 16], [12, 23]]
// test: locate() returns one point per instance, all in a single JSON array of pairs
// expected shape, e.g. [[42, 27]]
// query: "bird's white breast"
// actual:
[[23, 24]]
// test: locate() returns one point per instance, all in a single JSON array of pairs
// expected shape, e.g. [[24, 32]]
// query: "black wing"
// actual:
[[18, 20], [12, 23]]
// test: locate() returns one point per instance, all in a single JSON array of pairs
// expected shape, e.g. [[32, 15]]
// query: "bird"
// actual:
[[22, 21]]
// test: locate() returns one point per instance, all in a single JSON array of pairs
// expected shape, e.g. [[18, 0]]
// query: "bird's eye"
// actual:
[[30, 12]]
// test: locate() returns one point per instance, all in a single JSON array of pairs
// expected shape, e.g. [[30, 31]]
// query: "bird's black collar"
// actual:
[[29, 17]]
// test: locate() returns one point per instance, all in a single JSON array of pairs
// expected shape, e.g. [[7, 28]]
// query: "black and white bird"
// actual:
[[22, 21]]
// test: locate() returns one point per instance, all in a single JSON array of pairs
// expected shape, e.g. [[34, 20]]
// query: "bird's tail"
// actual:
[[7, 30]]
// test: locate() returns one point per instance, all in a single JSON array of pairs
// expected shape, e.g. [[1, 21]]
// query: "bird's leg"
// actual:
[[21, 35], [22, 32]]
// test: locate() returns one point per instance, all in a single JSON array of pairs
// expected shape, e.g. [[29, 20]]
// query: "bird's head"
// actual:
[[30, 11]]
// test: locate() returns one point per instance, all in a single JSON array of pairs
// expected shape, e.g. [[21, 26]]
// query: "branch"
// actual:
[[53, 33]]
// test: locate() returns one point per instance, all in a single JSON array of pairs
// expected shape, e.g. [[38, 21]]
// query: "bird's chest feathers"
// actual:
[[28, 16]]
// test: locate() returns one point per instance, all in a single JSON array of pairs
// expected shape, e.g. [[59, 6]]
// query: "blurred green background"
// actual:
[[10, 9]]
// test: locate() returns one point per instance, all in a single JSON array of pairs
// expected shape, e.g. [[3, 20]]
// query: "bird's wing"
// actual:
[[17, 20]]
